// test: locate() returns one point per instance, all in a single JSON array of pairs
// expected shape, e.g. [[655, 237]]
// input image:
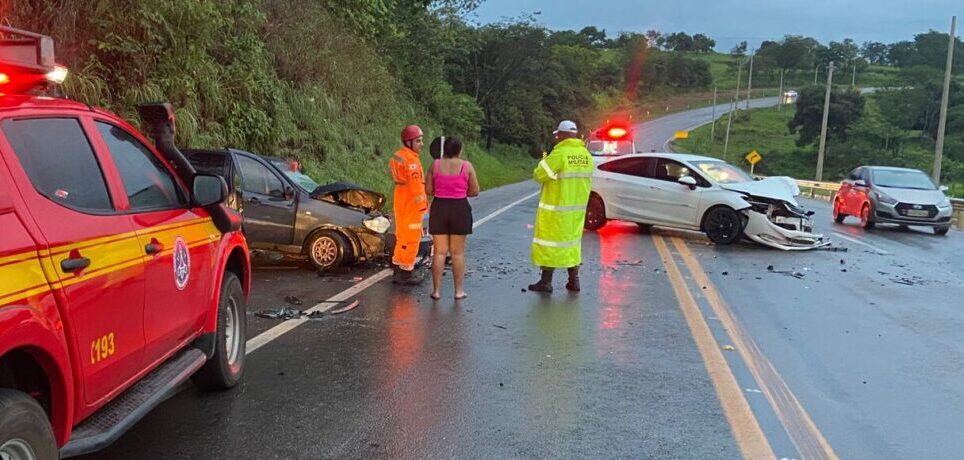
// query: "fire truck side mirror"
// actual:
[[208, 189]]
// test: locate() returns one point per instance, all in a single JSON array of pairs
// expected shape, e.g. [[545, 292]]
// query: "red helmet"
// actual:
[[411, 132]]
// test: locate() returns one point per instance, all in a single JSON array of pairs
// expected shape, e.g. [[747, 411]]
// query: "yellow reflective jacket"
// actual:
[[566, 178]]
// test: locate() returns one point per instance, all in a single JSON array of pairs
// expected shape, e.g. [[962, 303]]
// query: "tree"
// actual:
[[679, 42], [901, 54], [595, 37], [845, 109], [874, 52], [654, 39], [703, 43], [739, 50]]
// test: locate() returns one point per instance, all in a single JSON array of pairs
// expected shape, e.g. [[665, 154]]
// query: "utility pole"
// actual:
[[780, 96], [823, 125], [749, 83], [733, 107], [713, 118], [853, 80], [815, 74], [939, 150]]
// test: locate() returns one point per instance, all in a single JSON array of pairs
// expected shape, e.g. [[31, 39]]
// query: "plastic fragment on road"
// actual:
[[283, 313], [729, 347], [293, 300], [348, 307]]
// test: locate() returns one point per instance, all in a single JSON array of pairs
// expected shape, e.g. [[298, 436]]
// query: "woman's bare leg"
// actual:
[[441, 248], [457, 248]]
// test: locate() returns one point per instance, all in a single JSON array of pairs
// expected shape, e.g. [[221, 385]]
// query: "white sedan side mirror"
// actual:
[[688, 181], [944, 188]]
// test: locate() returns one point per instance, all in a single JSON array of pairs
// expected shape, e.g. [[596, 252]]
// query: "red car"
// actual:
[[121, 273]]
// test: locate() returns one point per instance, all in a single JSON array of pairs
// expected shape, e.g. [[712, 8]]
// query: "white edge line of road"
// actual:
[[274, 333], [855, 240]]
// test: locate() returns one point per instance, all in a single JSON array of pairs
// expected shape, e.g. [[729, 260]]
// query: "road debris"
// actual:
[[729, 347], [500, 327], [348, 307], [287, 313], [293, 300]]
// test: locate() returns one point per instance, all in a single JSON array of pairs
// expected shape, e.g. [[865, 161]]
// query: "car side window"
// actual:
[[60, 162], [149, 185], [639, 167], [257, 178], [670, 170], [865, 175], [854, 175]]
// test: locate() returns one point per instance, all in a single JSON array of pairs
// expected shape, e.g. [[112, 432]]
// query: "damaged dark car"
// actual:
[[286, 211]]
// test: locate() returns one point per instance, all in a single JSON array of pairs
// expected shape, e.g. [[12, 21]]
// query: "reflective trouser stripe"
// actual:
[[576, 175], [556, 244], [415, 226], [545, 167], [550, 207]]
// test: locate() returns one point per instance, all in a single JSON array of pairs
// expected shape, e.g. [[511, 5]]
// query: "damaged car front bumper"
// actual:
[[780, 225]]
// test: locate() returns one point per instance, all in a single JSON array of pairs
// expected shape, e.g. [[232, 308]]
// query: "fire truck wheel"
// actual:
[[225, 368], [25, 432]]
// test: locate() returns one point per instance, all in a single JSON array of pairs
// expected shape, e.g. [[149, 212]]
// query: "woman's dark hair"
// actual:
[[453, 147]]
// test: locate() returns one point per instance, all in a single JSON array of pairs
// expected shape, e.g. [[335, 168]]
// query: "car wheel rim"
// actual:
[[232, 333], [17, 449], [721, 226], [324, 251]]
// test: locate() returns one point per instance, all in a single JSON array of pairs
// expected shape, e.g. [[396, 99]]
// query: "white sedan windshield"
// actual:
[[722, 172]]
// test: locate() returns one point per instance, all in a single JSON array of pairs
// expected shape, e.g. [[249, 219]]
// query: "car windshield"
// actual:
[[303, 180], [601, 148], [896, 178], [722, 172]]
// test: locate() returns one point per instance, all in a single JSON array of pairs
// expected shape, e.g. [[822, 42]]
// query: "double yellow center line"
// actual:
[[749, 437]]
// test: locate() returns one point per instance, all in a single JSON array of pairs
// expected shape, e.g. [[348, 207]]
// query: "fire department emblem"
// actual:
[[182, 263]]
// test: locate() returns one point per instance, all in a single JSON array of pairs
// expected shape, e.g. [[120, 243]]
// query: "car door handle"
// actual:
[[74, 264], [152, 248]]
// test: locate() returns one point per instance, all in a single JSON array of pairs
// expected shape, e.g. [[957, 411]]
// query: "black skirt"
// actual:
[[450, 217]]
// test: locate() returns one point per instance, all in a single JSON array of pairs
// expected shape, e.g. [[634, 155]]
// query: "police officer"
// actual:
[[565, 175]]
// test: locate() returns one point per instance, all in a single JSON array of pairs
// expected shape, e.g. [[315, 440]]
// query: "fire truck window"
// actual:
[[61, 164], [259, 179], [149, 185]]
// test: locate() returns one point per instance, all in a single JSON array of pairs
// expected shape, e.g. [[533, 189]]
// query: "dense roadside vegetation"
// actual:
[[332, 82]]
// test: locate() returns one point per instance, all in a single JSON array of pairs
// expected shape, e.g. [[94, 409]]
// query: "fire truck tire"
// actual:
[[225, 368], [25, 431]]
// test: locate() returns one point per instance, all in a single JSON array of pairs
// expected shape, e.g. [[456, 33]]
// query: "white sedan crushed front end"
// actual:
[[773, 216]]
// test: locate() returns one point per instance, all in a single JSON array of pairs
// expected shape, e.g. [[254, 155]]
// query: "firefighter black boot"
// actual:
[[545, 283], [573, 284]]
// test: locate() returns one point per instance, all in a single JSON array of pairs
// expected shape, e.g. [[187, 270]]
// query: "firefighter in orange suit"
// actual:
[[410, 204]]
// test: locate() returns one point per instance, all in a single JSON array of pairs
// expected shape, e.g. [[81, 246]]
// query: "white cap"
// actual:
[[566, 126]]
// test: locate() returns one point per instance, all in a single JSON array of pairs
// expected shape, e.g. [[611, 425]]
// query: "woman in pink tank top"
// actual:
[[451, 181]]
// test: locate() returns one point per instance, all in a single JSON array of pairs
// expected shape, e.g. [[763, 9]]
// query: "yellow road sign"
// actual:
[[682, 135], [753, 157]]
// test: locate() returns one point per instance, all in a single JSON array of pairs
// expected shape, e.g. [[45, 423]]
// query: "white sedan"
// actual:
[[700, 193]]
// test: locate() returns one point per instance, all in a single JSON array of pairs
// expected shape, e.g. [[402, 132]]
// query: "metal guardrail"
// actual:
[[825, 190]]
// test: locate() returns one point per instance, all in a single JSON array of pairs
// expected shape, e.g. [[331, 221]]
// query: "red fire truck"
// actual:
[[122, 275]]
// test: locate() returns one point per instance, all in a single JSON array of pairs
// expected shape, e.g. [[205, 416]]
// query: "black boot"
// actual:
[[545, 283], [573, 284], [406, 277]]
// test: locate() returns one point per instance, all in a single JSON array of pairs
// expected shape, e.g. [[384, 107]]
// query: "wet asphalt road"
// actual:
[[860, 357]]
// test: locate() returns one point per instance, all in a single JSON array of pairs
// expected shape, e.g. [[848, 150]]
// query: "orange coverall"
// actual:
[[410, 205]]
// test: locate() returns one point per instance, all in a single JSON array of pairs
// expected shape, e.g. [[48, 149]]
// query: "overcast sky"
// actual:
[[731, 21]]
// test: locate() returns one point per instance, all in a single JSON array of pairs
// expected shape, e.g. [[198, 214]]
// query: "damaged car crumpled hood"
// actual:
[[776, 188], [774, 218], [350, 195]]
